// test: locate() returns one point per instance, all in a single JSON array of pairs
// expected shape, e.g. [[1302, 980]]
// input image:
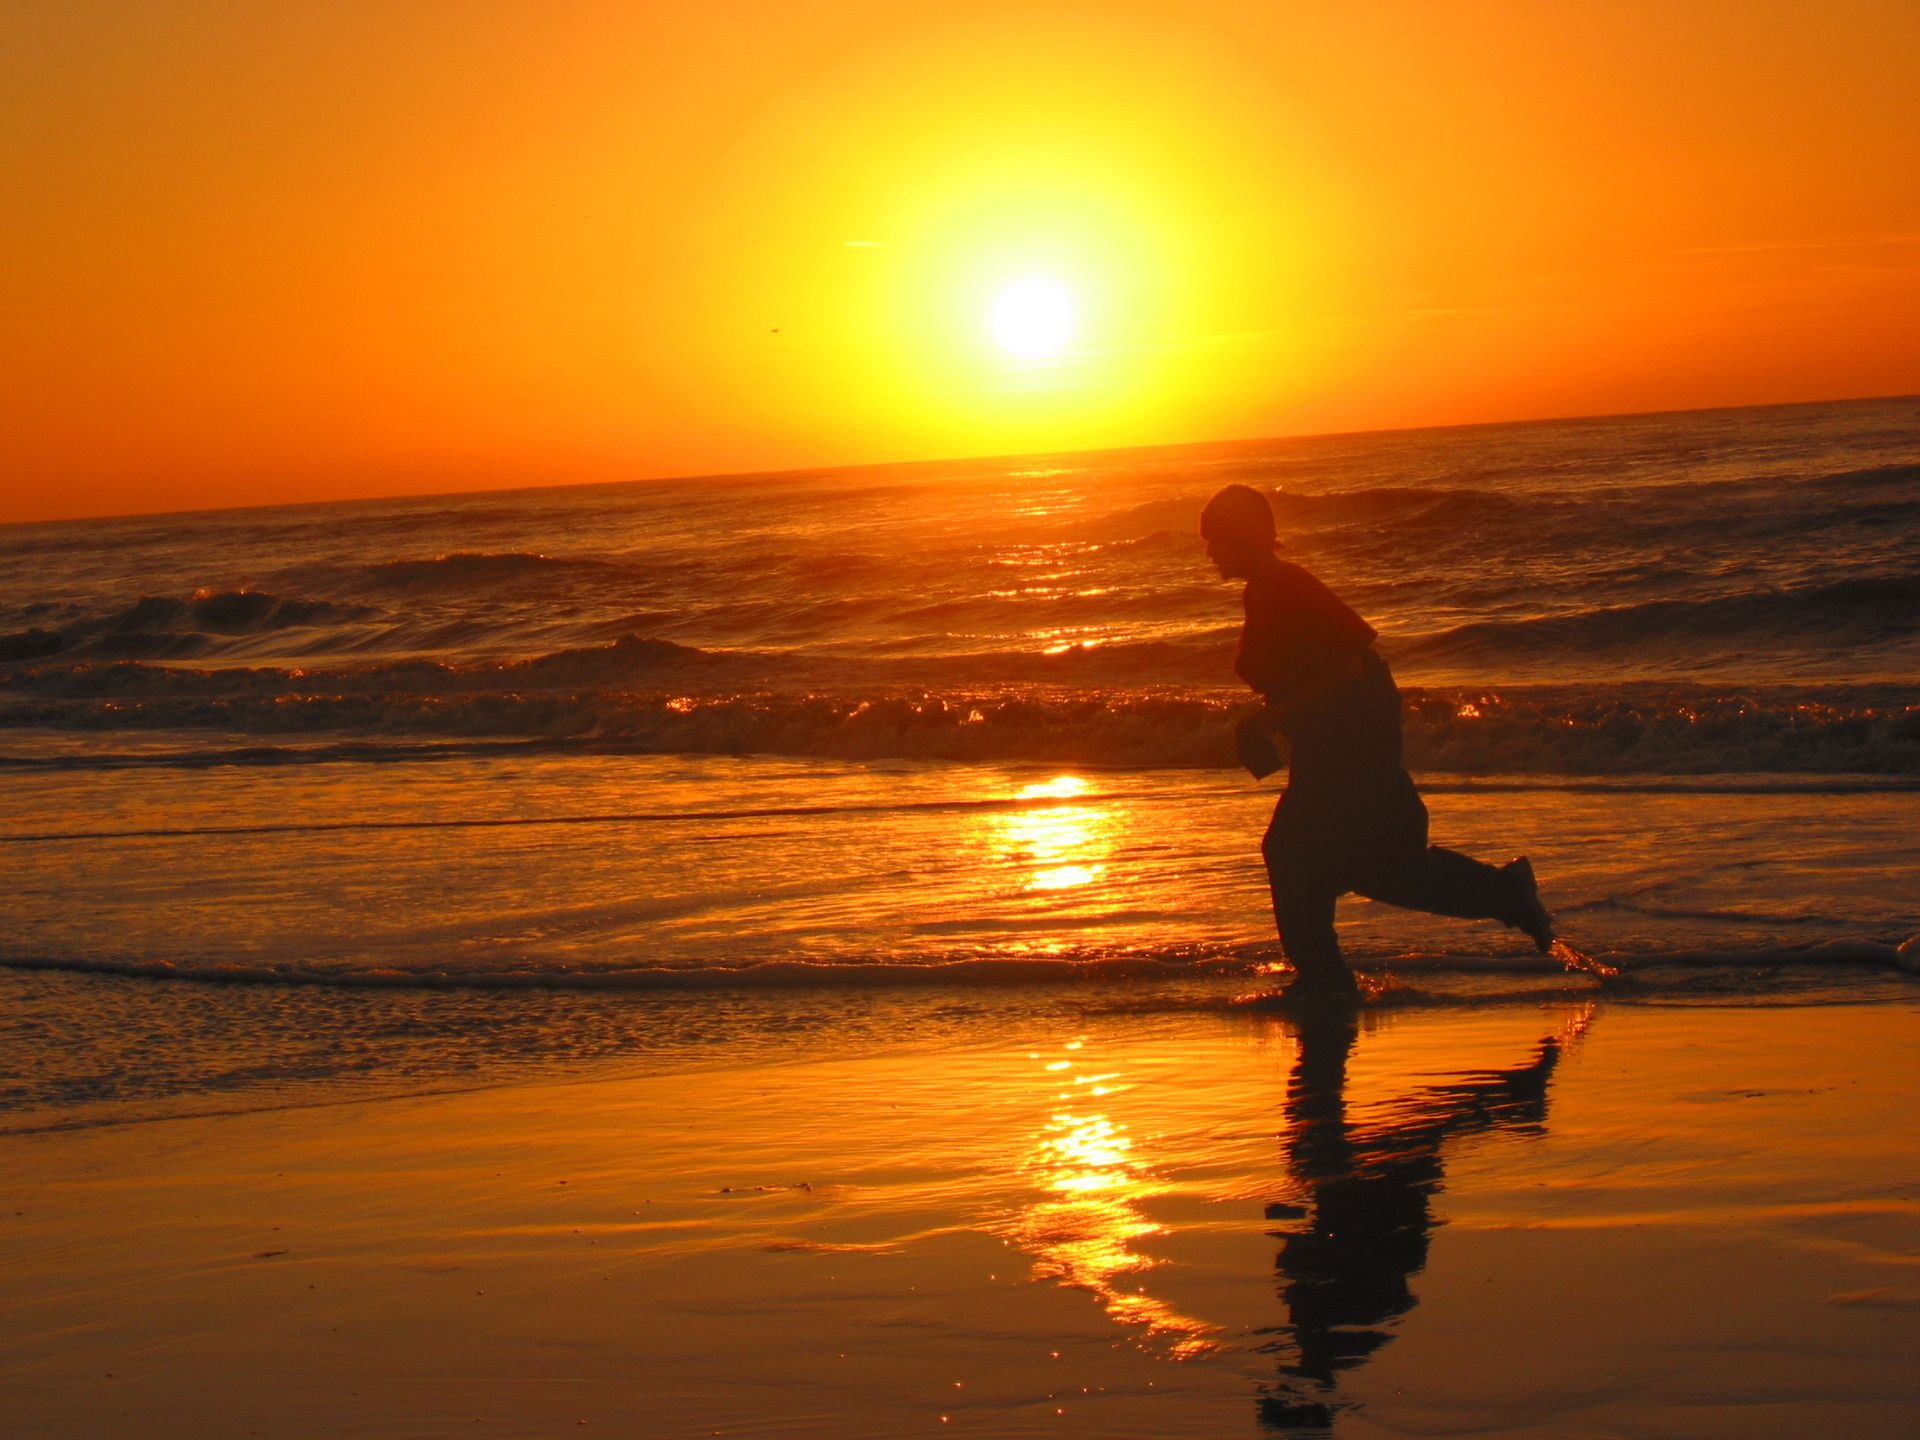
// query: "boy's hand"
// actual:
[[1253, 743]]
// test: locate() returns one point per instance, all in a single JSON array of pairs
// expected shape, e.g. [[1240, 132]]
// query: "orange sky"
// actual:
[[260, 253]]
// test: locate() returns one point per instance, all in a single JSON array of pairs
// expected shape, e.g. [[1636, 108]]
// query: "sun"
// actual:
[[1033, 318]]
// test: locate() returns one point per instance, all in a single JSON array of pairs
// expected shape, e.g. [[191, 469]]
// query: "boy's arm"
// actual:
[[1253, 736], [1277, 712], [1253, 744]]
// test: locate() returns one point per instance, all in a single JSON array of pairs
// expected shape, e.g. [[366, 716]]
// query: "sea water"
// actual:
[[688, 767]]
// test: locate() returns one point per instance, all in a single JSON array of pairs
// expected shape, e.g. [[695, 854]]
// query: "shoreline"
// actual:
[[170, 1046]]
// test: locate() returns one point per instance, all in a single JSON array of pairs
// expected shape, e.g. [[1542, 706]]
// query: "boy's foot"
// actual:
[[1316, 991], [1529, 915]]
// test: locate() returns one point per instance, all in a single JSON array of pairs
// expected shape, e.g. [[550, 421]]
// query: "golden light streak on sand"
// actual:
[[1082, 1227]]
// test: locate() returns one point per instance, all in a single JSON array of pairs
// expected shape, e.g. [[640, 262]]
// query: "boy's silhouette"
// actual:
[[1350, 819]]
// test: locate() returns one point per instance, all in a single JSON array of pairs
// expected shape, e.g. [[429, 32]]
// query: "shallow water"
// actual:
[[400, 927]]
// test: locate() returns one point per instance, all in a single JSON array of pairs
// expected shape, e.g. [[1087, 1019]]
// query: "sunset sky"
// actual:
[[259, 253]]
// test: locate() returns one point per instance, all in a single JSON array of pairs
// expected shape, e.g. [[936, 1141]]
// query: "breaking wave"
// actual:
[[651, 695]]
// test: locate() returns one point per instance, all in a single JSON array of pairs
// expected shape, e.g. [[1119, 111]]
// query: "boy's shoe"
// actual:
[[1529, 915]]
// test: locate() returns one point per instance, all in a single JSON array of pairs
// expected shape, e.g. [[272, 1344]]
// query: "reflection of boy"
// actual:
[[1347, 1262], [1350, 818]]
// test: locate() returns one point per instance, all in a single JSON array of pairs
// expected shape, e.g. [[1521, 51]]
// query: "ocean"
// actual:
[[679, 768]]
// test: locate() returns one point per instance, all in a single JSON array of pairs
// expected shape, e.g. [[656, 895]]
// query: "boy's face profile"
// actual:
[[1233, 558]]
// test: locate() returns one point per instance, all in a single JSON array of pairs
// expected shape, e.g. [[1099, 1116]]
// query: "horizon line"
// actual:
[[831, 468]]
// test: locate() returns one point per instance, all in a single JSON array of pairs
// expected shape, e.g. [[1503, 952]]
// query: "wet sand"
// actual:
[[1529, 1220]]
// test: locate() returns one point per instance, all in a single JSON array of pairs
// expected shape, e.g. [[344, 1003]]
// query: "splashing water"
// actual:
[[1577, 959]]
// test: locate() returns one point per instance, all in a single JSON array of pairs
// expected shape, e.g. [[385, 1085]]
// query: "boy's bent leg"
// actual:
[[1305, 918], [1303, 909]]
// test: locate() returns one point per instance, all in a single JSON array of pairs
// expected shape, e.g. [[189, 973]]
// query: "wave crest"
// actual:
[[1863, 610], [162, 627], [651, 695]]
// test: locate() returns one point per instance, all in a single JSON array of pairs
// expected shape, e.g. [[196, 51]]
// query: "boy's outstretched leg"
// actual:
[[1445, 882]]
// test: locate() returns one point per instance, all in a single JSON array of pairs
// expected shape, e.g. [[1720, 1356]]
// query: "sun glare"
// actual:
[[1033, 318]]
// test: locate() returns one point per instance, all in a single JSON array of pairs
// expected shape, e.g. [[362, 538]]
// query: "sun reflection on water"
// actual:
[[1062, 847], [1082, 1227]]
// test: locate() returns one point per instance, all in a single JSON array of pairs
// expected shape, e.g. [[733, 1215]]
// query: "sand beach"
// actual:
[[1580, 1218]]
